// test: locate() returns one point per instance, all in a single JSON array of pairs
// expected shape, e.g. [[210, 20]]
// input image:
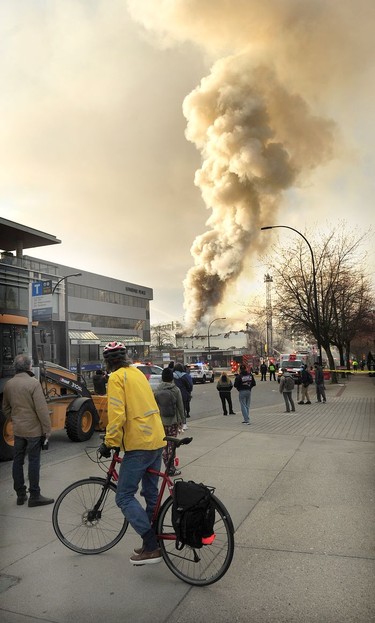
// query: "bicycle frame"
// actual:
[[112, 475], [86, 519]]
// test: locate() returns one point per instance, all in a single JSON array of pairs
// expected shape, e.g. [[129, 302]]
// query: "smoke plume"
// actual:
[[262, 118], [255, 139]]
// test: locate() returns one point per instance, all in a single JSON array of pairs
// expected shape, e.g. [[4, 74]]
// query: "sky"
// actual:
[[155, 137]]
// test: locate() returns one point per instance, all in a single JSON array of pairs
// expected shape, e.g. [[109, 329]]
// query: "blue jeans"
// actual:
[[245, 399], [133, 470], [32, 446]]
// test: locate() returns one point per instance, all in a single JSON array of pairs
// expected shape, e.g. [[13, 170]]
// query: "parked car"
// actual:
[[200, 373], [293, 366], [151, 372]]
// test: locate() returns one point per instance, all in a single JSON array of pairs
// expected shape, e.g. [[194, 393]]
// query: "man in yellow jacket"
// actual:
[[135, 426]]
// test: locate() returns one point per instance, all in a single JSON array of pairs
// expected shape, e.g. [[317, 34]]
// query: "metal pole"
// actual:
[[30, 320], [66, 318], [318, 338]]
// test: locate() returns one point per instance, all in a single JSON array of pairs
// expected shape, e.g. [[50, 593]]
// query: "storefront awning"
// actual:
[[83, 337], [125, 339]]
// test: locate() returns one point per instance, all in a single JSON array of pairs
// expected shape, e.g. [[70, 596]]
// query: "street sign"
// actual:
[[41, 299]]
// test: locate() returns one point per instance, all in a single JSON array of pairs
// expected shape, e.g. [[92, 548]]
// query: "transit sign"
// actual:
[[41, 299]]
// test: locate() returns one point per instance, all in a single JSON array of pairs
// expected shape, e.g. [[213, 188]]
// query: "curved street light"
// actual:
[[67, 344], [318, 338], [208, 336]]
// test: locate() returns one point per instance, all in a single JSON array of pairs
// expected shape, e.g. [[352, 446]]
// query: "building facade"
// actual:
[[86, 310]]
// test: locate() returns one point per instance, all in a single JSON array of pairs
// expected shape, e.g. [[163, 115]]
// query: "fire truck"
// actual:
[[250, 361]]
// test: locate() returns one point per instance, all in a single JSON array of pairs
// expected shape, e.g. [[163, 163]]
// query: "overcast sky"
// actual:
[[125, 126]]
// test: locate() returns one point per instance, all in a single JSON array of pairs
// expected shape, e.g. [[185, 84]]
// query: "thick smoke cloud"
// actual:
[[264, 119], [255, 139]]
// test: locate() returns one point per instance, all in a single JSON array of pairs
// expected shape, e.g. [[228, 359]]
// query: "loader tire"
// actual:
[[6, 438], [80, 424]]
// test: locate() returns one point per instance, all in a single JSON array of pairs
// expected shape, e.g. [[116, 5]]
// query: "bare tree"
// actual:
[[345, 295], [161, 337]]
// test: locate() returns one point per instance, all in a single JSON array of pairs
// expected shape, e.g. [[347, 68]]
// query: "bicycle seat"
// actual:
[[179, 442]]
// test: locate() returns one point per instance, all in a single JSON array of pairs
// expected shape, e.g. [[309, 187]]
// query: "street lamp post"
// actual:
[[318, 338], [208, 336], [67, 342]]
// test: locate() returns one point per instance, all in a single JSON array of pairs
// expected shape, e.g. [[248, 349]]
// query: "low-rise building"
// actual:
[[83, 311]]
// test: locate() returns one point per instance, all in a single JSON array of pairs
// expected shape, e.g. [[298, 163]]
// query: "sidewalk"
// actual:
[[300, 489]]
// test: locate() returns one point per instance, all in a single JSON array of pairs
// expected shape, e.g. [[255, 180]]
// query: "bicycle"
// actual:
[[87, 520]]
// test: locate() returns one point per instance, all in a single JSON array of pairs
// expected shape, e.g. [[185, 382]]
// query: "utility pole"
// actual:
[[269, 337]]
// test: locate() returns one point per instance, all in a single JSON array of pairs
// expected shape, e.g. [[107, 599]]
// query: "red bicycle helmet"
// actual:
[[114, 350]]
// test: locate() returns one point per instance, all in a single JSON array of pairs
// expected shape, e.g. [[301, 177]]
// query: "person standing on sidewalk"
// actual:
[[263, 371], [24, 403], [171, 407], [272, 371], [185, 384], [244, 382], [306, 380], [286, 389], [135, 426], [224, 387], [319, 383]]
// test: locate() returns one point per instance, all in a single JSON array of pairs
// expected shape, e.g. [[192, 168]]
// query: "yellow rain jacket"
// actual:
[[134, 421]]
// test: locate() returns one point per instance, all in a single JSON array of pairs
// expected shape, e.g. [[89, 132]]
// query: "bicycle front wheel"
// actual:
[[203, 566], [86, 518]]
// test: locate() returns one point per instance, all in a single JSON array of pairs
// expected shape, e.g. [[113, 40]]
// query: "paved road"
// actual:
[[299, 487]]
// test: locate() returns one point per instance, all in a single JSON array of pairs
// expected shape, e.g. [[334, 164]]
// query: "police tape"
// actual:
[[345, 371]]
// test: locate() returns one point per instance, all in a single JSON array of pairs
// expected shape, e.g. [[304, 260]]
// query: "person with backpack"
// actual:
[[306, 380], [286, 389], [171, 407], [224, 387], [244, 382], [272, 371], [185, 384]]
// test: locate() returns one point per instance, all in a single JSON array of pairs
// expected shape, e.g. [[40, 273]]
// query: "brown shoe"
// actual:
[[146, 558], [138, 550]]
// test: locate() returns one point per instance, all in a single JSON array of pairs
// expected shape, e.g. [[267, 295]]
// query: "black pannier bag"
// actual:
[[193, 514]]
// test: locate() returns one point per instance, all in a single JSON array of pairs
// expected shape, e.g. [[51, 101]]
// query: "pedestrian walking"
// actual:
[[306, 380], [224, 387], [286, 389], [263, 371], [244, 382], [272, 371], [134, 425], [171, 407], [319, 383], [24, 403], [185, 384]]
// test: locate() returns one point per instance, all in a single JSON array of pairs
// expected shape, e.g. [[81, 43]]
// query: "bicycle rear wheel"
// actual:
[[199, 567], [86, 518]]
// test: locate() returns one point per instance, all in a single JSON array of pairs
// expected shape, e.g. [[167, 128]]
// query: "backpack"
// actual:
[[310, 378], [288, 383], [193, 514], [167, 402]]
